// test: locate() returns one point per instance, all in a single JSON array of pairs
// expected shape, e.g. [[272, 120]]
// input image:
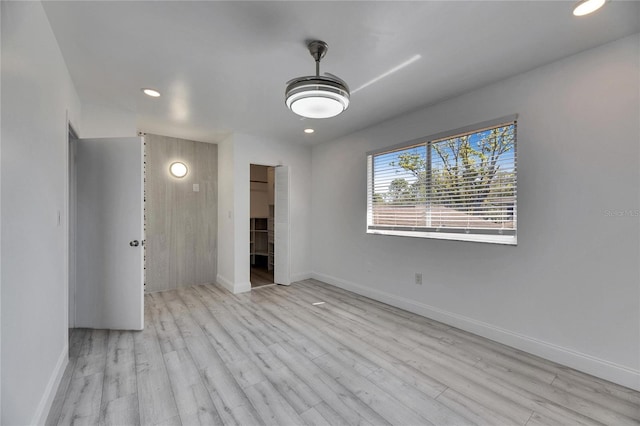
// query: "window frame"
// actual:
[[488, 235]]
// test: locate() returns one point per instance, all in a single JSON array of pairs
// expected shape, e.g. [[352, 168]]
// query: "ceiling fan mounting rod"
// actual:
[[318, 49]]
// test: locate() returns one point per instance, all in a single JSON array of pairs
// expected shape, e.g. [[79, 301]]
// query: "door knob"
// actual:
[[134, 243]]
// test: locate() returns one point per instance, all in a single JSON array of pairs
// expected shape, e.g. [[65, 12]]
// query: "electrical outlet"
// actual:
[[419, 278]]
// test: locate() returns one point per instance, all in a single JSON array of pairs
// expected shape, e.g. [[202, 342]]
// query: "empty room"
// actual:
[[320, 213]]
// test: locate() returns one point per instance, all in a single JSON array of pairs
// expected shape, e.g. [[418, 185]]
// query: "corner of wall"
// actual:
[[100, 121], [40, 416], [242, 287], [235, 288], [225, 283], [301, 276]]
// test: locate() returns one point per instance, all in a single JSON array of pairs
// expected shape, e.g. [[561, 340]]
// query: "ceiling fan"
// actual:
[[319, 96]]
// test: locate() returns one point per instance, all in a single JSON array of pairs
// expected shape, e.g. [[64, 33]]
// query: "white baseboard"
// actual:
[[234, 288], [225, 283], [40, 416], [604, 369], [242, 287]]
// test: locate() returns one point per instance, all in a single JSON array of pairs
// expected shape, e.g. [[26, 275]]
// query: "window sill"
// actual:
[[476, 238]]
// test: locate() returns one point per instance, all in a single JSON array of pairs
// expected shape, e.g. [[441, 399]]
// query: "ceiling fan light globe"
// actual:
[[317, 107]]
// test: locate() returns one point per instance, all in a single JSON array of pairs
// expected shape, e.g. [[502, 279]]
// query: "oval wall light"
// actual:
[[178, 169]]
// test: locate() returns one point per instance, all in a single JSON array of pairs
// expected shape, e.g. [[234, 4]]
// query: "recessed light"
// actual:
[[585, 7], [151, 92], [309, 131]]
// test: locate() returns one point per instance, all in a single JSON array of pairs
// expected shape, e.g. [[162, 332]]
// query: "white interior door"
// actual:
[[109, 234], [281, 268]]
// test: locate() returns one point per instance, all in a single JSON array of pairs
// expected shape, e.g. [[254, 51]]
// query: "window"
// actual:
[[458, 185]]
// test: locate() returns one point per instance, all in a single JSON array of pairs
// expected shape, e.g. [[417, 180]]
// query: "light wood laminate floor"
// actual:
[[272, 357]]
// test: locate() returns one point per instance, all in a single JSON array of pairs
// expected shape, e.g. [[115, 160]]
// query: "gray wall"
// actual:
[[37, 98], [570, 290], [181, 225]]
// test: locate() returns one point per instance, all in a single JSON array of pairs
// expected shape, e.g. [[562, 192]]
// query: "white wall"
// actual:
[[37, 95], [0, 222], [570, 290], [226, 214], [234, 188], [104, 122]]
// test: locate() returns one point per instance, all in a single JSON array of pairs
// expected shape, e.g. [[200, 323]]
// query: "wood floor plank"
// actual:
[[381, 402], [425, 406], [377, 358], [599, 386], [519, 401], [169, 336], [271, 357], [120, 411], [475, 411], [539, 420], [312, 417], [120, 368], [156, 400], [273, 408], [82, 403], [217, 378], [336, 396], [193, 400], [278, 326], [120, 389], [327, 412], [517, 413], [93, 353], [525, 412], [295, 392], [595, 396], [243, 370], [562, 398]]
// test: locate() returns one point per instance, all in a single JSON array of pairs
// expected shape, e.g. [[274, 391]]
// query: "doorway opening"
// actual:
[[262, 225]]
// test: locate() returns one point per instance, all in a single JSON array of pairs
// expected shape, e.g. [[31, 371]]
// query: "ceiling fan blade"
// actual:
[[335, 77]]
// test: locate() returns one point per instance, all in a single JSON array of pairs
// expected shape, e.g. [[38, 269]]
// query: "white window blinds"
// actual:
[[455, 185]]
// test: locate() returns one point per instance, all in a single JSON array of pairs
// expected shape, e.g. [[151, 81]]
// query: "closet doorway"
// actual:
[[262, 225]]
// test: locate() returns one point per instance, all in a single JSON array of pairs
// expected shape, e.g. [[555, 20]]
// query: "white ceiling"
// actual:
[[222, 66]]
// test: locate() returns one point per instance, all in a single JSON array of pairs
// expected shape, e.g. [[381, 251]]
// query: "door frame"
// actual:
[[285, 277], [248, 263], [70, 207]]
